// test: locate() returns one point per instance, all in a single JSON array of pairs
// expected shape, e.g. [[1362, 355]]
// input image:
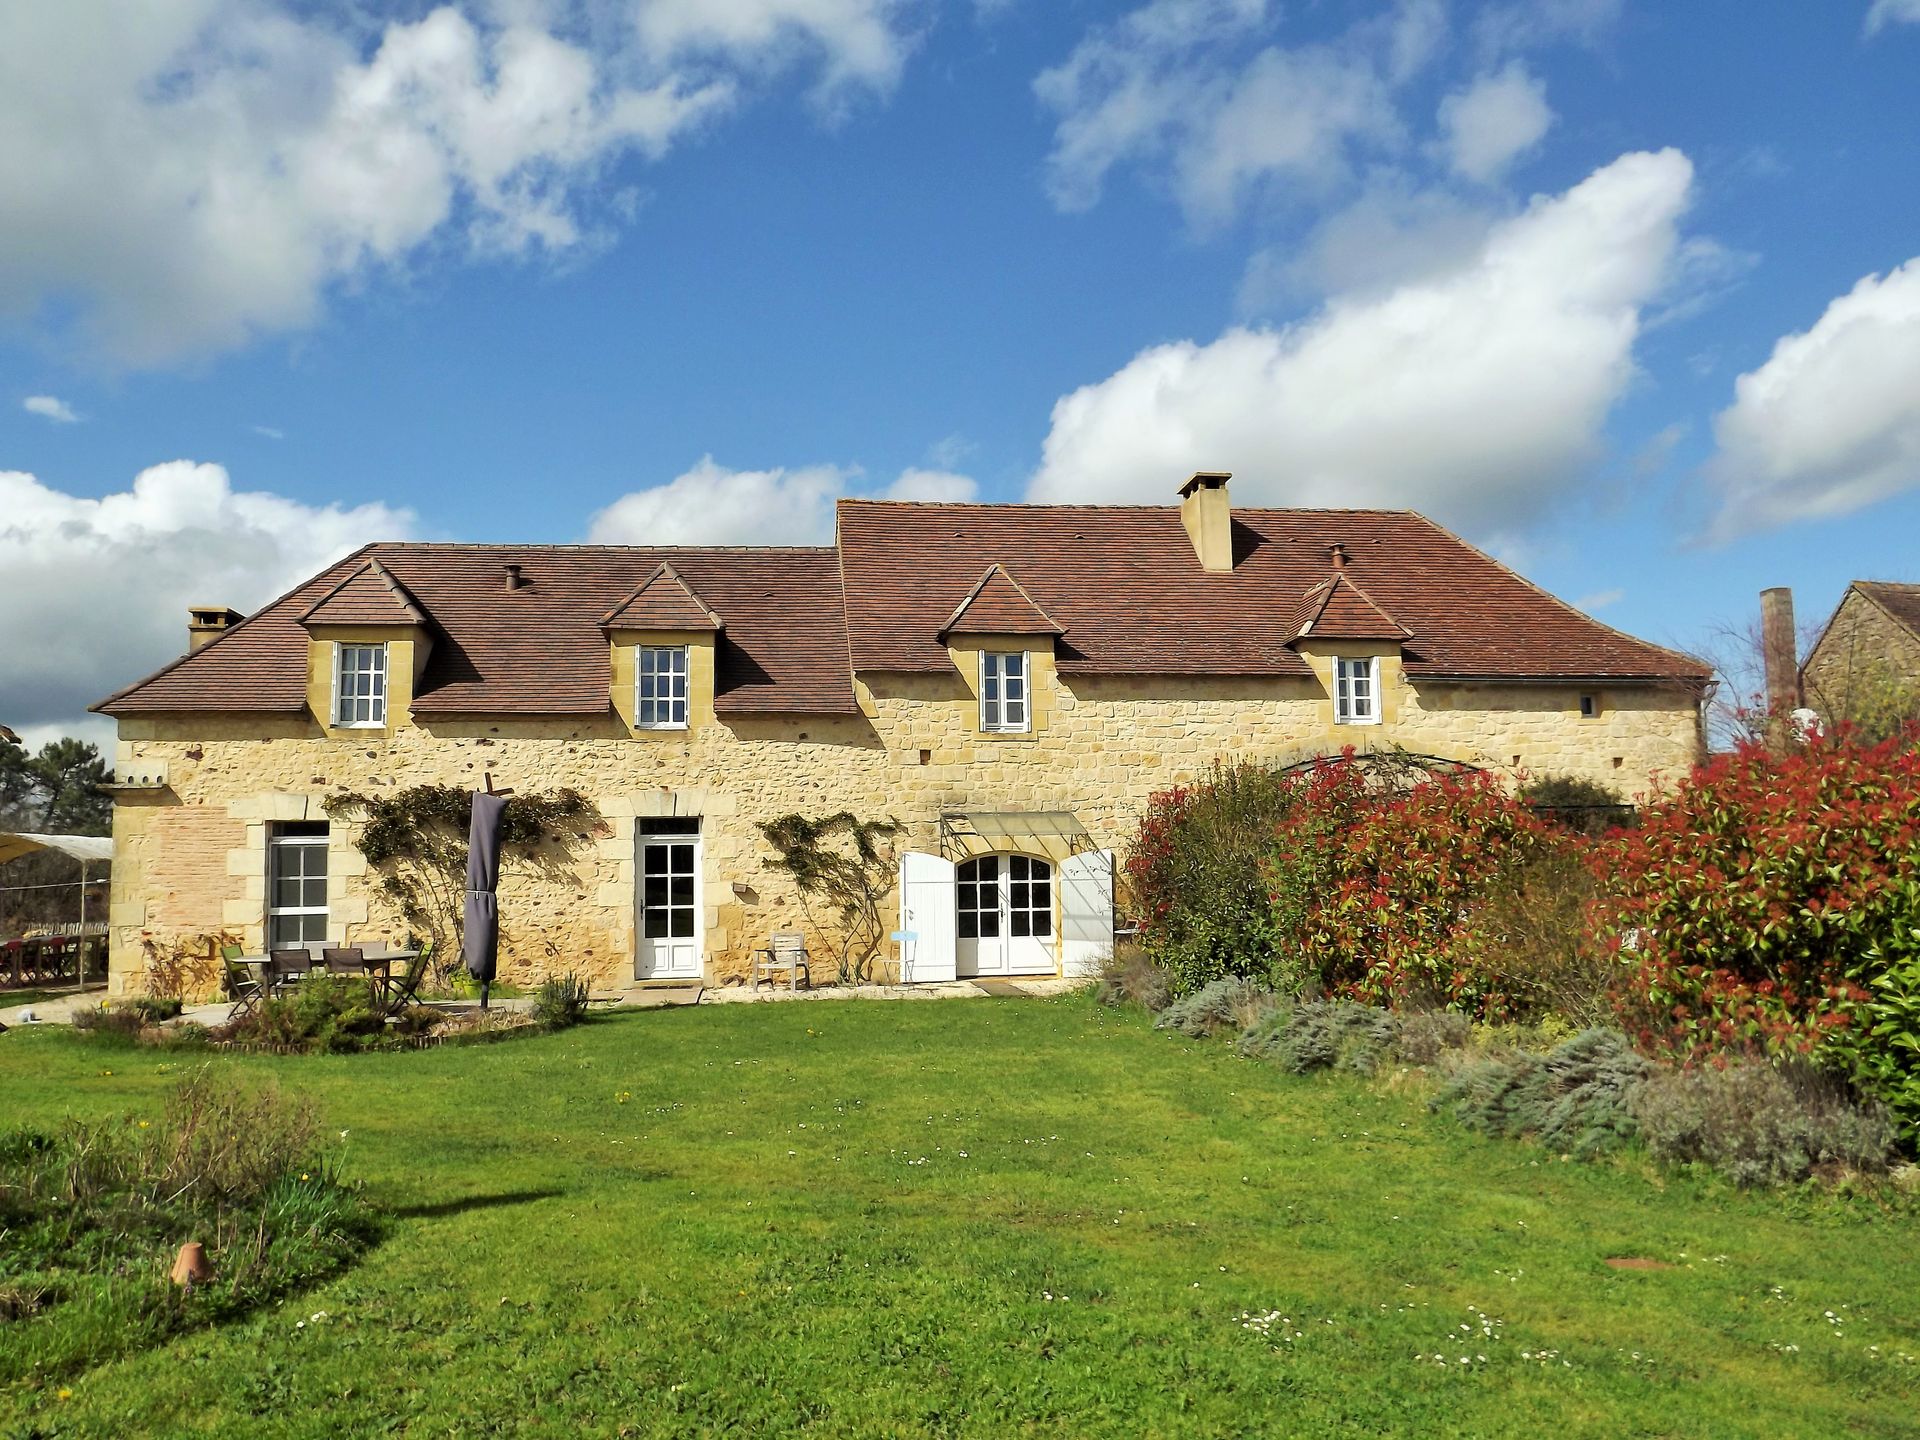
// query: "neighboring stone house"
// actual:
[[1010, 682], [1866, 663]]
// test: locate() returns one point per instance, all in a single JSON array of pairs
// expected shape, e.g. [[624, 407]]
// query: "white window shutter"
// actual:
[[1086, 912], [927, 905]]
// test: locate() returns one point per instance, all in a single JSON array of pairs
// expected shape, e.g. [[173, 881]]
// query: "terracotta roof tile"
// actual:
[[1119, 584], [1125, 584], [368, 596], [1338, 609], [663, 602], [998, 606], [540, 650]]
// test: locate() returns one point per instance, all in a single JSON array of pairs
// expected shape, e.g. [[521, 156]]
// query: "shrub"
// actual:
[[1759, 907], [322, 1013], [1194, 879], [1330, 1035], [561, 1001], [155, 1008], [118, 1020], [1129, 977], [1423, 1036], [1372, 887], [1758, 1124], [1222, 1006], [1574, 1099], [1525, 943]]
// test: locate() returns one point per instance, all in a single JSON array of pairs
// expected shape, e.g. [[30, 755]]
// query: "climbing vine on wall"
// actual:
[[846, 864], [415, 841]]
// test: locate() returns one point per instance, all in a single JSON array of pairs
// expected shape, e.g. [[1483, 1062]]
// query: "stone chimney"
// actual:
[[207, 623], [1208, 516], [1779, 650]]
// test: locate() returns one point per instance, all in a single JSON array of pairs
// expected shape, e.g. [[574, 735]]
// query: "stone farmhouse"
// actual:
[[1009, 682], [1868, 654]]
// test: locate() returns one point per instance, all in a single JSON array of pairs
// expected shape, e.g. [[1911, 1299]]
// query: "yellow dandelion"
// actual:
[[65, 1394], [143, 1124], [305, 1176]]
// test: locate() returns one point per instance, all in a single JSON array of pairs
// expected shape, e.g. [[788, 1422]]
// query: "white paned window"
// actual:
[[360, 686], [297, 884], [660, 681], [1356, 695], [1003, 691]]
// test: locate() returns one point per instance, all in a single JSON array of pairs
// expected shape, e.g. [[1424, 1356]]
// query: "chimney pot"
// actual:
[[516, 580], [1339, 553], [207, 623], [1207, 514]]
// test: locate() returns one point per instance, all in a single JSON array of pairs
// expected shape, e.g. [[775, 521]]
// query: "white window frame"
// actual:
[[1001, 712], [276, 843], [375, 700], [660, 711], [1346, 671]]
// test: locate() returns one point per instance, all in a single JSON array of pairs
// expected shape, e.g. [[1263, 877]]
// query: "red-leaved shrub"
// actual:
[[1748, 908], [1374, 888]]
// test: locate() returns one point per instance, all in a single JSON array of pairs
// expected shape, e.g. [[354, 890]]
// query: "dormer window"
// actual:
[[660, 680], [1356, 693], [1003, 691], [360, 687]]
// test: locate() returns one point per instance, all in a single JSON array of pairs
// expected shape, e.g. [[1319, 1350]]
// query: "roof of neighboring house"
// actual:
[[998, 606], [540, 650], [1118, 586], [1123, 583], [1902, 602], [1338, 609], [663, 602], [368, 596]]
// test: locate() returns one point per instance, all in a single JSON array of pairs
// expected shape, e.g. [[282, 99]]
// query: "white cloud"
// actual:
[[1167, 87], [200, 172], [1529, 24], [942, 485], [1600, 600], [712, 505], [1476, 393], [1494, 121], [268, 432], [1828, 424], [50, 407], [1892, 12], [861, 43], [96, 591]]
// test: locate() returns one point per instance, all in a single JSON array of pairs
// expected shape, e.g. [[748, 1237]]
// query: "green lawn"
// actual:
[[989, 1217]]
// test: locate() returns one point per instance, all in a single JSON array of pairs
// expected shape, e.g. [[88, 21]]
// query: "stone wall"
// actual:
[[191, 858], [1861, 660]]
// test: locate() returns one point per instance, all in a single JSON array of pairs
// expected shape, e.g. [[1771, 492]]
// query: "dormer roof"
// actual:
[[997, 605], [663, 601], [368, 596], [1338, 609]]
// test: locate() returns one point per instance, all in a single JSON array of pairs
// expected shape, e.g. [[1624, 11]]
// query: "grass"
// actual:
[[37, 994], [984, 1217]]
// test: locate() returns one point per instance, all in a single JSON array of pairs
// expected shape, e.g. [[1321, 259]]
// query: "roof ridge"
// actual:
[[1138, 506]]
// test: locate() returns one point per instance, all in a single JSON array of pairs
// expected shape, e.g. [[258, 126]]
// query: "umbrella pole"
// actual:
[[484, 985], [80, 949]]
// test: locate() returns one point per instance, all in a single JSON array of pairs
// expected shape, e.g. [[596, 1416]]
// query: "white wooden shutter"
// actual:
[[1086, 912], [927, 904]]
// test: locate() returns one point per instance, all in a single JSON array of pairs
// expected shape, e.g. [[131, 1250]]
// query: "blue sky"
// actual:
[[683, 270]]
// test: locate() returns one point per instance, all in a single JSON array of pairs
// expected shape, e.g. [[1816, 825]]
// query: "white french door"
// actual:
[[667, 908], [1004, 916]]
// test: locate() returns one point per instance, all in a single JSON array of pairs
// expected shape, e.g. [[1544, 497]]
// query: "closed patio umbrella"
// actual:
[[481, 944]]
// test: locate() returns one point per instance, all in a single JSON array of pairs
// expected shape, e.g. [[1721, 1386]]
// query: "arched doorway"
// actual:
[[1004, 916]]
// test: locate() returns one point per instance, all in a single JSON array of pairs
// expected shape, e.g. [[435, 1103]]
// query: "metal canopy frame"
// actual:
[[966, 833], [89, 850]]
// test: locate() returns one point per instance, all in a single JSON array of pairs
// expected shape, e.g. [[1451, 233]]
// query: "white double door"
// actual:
[[667, 940], [1004, 916]]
